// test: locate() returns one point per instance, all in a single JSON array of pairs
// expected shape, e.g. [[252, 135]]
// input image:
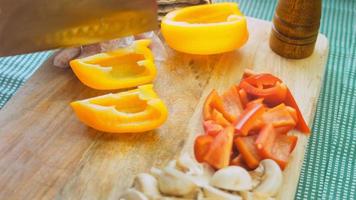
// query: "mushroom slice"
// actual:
[[256, 176], [175, 183], [147, 184], [132, 194], [212, 193], [233, 178], [271, 180], [189, 166], [254, 196], [173, 198]]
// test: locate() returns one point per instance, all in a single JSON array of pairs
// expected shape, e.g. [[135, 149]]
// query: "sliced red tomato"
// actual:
[[212, 128], [279, 116], [201, 146], [301, 125], [218, 155], [232, 103], [277, 147], [248, 150], [248, 118]]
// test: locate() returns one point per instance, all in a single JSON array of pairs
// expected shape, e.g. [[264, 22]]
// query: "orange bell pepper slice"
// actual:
[[205, 29], [247, 120], [214, 106], [201, 146], [212, 128], [218, 155], [277, 147], [123, 68], [232, 103], [137, 110], [248, 150], [279, 116], [243, 97], [302, 124]]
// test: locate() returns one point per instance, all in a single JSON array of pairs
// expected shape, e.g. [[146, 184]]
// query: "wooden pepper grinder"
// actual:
[[295, 28]]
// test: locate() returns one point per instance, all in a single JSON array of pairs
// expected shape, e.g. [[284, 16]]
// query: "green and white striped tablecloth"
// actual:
[[329, 168]]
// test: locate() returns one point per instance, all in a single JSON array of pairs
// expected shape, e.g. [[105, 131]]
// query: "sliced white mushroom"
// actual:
[[175, 183], [271, 180], [173, 198], [254, 196], [212, 193], [147, 184], [186, 163], [132, 194], [233, 178], [256, 176]]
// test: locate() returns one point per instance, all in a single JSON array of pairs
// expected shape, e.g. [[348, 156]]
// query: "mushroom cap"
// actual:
[[233, 178]]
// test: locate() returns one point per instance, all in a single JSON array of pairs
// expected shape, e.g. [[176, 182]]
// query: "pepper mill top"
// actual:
[[295, 28]]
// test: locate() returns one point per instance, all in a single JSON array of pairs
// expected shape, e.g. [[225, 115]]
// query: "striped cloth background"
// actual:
[[329, 170]]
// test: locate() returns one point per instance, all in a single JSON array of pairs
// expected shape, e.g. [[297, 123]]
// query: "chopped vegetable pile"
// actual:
[[248, 123]]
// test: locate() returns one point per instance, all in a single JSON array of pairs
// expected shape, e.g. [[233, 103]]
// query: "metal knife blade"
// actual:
[[35, 25]]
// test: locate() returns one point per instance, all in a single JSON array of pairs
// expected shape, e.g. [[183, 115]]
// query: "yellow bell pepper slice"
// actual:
[[136, 110], [121, 68], [205, 29]]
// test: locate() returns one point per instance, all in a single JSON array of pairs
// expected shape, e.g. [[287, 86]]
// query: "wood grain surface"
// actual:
[[46, 153]]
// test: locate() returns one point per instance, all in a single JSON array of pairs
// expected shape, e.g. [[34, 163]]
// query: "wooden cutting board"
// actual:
[[46, 153]]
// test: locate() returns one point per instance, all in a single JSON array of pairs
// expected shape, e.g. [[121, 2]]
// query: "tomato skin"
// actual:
[[248, 118]]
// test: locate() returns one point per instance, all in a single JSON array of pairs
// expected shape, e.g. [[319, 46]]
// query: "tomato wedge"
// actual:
[[218, 154], [248, 118], [201, 146], [271, 145], [248, 150], [301, 125]]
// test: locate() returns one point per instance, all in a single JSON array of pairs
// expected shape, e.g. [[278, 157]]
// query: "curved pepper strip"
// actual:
[[301, 124], [122, 68], [247, 120], [205, 29], [137, 110]]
